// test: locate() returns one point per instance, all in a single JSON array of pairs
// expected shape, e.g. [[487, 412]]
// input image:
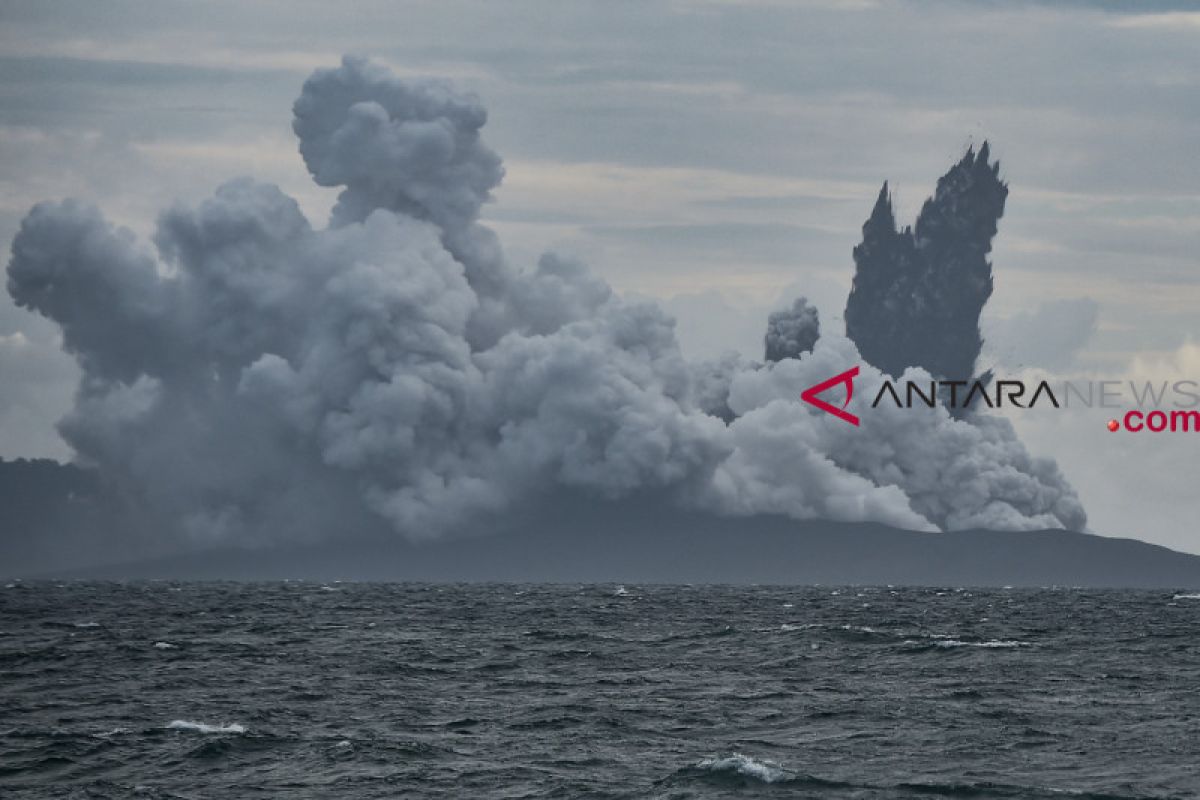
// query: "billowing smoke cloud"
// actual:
[[921, 452], [917, 294], [258, 377], [413, 147], [712, 381], [793, 332]]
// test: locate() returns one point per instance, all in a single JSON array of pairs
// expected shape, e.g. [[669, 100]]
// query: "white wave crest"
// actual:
[[110, 734], [200, 727], [765, 771]]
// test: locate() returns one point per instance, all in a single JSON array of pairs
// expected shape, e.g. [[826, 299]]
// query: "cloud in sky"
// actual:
[[1049, 336]]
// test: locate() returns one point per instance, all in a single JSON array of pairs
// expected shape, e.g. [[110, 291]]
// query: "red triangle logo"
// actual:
[[809, 395]]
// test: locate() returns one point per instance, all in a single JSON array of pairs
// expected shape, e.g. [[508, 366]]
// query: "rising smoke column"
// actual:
[[917, 294], [792, 332], [255, 377]]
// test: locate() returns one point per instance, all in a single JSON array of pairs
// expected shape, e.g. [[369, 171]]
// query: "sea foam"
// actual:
[[738, 764], [200, 727]]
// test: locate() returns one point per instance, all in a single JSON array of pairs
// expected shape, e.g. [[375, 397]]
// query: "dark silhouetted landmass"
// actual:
[[56, 516], [582, 541], [40, 501]]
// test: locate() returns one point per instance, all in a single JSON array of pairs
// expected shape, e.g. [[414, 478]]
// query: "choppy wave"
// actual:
[[747, 767], [112, 733], [739, 771], [1002, 644], [544, 692], [200, 727]]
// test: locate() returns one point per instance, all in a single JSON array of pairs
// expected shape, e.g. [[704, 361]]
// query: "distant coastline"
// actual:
[[582, 542]]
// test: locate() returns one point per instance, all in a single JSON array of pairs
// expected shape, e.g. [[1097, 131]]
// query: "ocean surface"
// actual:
[[304, 690]]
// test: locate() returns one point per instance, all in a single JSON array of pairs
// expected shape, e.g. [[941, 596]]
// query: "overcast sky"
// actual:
[[718, 156]]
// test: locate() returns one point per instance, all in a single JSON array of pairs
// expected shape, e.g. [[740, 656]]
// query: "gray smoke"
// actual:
[[917, 295], [792, 332], [413, 147], [256, 377], [955, 473], [712, 380]]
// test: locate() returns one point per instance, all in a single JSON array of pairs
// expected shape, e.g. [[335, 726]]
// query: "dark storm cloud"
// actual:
[[260, 377]]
